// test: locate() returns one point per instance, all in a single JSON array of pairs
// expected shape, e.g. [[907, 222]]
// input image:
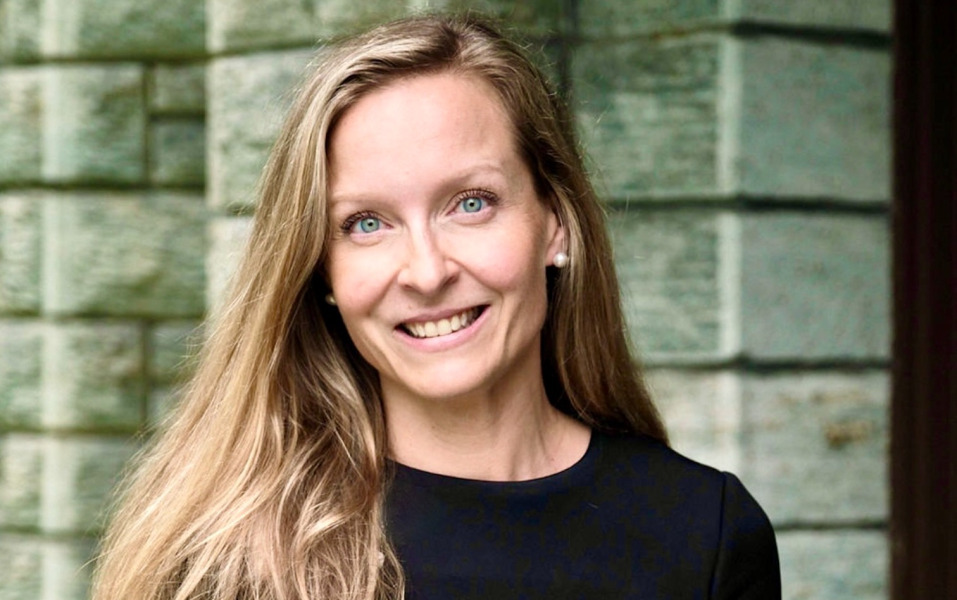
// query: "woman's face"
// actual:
[[439, 240]]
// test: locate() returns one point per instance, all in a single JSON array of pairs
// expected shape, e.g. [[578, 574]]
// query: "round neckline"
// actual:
[[573, 475]]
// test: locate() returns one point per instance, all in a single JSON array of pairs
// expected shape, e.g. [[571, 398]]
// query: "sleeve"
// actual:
[[747, 566]]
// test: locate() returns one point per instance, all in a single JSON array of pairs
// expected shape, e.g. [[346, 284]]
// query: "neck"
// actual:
[[510, 434]]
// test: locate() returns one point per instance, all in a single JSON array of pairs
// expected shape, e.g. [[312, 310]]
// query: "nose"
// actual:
[[426, 268]]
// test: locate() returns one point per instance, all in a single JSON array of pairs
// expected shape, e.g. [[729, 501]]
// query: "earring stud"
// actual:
[[330, 299], [560, 260]]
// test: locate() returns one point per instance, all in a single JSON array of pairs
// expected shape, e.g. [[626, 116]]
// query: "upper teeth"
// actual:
[[429, 329]]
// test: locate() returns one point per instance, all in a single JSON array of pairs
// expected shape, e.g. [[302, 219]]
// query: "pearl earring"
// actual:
[[330, 299], [560, 260]]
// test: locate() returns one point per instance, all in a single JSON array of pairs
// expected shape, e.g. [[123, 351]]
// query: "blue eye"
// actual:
[[472, 204], [368, 224]]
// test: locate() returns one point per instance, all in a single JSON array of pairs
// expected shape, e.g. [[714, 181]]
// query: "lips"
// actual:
[[431, 329]]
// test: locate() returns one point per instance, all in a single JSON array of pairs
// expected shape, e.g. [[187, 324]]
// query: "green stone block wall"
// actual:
[[743, 147], [102, 261]]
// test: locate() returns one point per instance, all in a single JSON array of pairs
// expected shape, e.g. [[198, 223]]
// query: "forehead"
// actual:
[[422, 124]]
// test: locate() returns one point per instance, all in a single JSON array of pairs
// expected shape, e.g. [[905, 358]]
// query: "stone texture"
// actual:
[[21, 372], [646, 111], [529, 17], [83, 375], [858, 14], [836, 565], [237, 24], [94, 376], [162, 401], [67, 568], [21, 124], [36, 568], [702, 410], [625, 17], [336, 17], [669, 265], [21, 466], [79, 475], [171, 344], [178, 88], [178, 152], [123, 28], [94, 123], [22, 557], [815, 286], [816, 445], [763, 116], [814, 120], [19, 30], [39, 569], [124, 254], [227, 238], [249, 96], [20, 247]]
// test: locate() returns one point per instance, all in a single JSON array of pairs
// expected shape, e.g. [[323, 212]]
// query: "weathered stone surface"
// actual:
[[530, 17], [814, 120], [624, 17], [647, 114], [123, 28], [702, 410], [837, 565], [94, 123], [67, 568], [79, 475], [22, 557], [19, 30], [172, 343], [816, 445], [20, 236], [178, 154], [238, 24], [21, 124], [94, 375], [335, 17], [227, 238], [36, 568], [177, 88], [163, 400], [249, 96], [21, 468], [82, 375], [815, 286], [863, 14], [670, 265], [260, 23], [124, 254], [21, 371]]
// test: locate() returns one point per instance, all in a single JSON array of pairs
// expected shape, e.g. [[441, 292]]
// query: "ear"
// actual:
[[556, 238]]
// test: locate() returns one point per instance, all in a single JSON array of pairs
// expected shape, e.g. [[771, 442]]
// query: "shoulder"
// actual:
[[694, 508], [650, 466], [648, 471]]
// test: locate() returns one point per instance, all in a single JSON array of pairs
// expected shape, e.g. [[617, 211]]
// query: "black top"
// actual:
[[631, 519]]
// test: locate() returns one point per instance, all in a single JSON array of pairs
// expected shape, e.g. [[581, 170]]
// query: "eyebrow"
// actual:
[[465, 177]]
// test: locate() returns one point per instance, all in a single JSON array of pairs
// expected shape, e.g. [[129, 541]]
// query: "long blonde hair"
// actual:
[[269, 482]]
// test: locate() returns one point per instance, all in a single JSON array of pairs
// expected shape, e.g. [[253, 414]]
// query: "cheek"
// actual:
[[513, 263], [357, 280]]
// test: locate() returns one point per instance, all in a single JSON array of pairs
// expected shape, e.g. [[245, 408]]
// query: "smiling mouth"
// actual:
[[431, 329]]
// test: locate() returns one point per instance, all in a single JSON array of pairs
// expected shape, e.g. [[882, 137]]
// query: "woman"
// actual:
[[421, 384]]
